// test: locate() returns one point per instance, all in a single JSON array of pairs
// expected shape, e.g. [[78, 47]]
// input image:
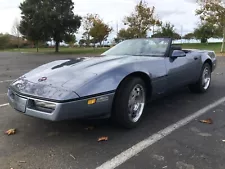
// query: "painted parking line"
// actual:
[[3, 105], [5, 81], [137, 148], [3, 94]]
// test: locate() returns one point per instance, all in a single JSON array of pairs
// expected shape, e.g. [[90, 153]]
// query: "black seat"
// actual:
[[176, 47]]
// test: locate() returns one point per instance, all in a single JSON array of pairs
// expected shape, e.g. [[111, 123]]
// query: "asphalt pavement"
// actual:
[[40, 144]]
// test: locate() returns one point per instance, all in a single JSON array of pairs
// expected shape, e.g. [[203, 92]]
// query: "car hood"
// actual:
[[58, 75], [69, 75], [60, 72]]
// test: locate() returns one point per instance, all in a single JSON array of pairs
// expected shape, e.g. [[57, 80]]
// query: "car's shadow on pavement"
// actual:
[[157, 115], [80, 137]]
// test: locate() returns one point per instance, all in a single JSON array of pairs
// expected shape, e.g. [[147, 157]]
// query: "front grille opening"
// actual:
[[11, 94], [34, 106]]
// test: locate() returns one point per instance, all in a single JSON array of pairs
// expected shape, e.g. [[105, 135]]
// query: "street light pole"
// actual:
[[181, 36], [117, 27]]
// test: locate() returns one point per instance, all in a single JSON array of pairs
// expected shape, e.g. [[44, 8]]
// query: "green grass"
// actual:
[[211, 46], [81, 50], [62, 50]]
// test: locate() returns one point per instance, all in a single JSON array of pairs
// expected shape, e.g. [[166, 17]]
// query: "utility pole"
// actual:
[[117, 27], [181, 35]]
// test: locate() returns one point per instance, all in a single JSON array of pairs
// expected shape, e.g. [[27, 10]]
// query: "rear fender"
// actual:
[[209, 57]]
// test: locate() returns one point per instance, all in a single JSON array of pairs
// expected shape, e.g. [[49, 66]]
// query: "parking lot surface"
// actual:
[[40, 144]]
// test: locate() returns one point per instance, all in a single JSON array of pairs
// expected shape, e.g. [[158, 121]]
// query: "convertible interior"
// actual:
[[178, 47]]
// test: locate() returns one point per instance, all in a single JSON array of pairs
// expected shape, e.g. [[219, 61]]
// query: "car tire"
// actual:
[[129, 102], [204, 81]]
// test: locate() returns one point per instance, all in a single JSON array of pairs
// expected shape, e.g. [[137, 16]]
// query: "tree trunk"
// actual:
[[88, 41], [57, 46], [203, 40], [37, 47], [18, 42], [223, 43]]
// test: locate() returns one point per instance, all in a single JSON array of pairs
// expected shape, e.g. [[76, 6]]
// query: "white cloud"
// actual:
[[178, 12], [111, 11], [181, 13], [9, 11]]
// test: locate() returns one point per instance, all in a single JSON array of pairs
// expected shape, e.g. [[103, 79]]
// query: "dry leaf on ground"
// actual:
[[72, 156], [207, 121], [102, 139], [22, 161], [11, 131], [219, 73]]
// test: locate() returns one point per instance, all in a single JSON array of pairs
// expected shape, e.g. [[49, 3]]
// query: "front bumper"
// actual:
[[63, 111]]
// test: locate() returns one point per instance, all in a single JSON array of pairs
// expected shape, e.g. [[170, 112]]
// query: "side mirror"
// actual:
[[178, 53]]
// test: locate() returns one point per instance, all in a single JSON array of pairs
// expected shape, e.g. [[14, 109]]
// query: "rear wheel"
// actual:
[[129, 102], [203, 84]]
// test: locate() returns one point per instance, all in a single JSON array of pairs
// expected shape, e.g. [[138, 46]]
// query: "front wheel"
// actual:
[[203, 84], [130, 102]]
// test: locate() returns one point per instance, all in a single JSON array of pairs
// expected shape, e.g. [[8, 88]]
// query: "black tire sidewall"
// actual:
[[201, 78], [121, 101], [198, 87]]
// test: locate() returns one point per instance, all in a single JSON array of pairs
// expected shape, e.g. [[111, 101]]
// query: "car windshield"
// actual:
[[140, 47]]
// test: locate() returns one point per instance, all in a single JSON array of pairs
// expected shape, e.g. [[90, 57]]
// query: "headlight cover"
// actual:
[[44, 106]]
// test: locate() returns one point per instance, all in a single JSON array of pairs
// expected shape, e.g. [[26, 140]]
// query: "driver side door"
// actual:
[[179, 71]]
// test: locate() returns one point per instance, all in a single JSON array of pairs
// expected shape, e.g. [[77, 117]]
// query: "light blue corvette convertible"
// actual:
[[116, 84]]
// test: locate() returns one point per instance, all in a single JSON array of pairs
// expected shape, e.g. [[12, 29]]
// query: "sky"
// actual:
[[181, 13]]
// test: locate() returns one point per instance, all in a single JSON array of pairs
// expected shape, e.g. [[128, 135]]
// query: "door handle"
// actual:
[[195, 58]]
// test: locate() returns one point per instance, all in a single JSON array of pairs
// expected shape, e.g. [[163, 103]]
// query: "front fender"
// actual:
[[110, 80]]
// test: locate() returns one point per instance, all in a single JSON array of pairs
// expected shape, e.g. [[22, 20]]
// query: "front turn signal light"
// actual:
[[92, 101]]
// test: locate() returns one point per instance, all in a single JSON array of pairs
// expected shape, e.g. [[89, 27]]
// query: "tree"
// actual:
[[176, 36], [141, 20], [15, 31], [4, 40], [45, 19], [88, 22], [213, 12], [167, 31], [205, 31], [61, 20], [100, 31], [33, 22], [189, 36], [124, 34], [82, 42], [70, 39], [116, 40]]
